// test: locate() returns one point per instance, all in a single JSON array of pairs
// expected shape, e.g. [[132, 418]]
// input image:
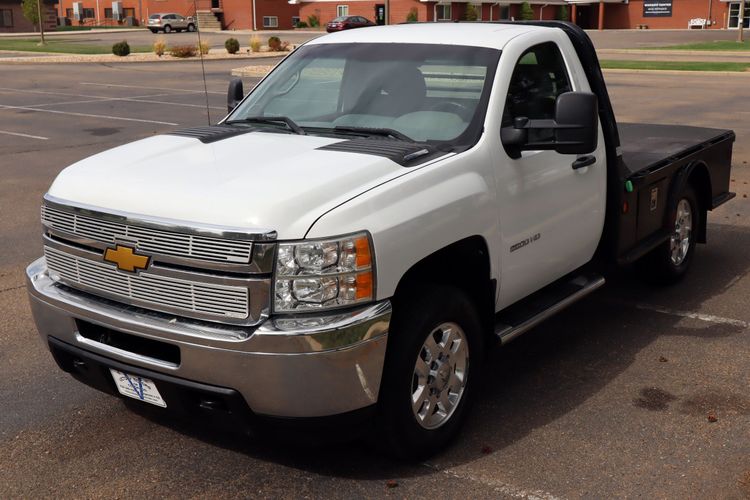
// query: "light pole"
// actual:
[[41, 21]]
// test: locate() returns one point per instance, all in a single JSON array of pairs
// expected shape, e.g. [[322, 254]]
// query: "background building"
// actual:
[[13, 21]]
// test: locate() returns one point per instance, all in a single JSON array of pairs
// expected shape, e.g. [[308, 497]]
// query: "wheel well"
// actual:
[[464, 264], [700, 181]]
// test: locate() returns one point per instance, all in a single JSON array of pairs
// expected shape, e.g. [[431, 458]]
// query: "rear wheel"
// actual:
[[167, 29], [669, 262], [431, 370]]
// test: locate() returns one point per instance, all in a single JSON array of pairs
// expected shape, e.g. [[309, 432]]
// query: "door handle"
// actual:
[[583, 161]]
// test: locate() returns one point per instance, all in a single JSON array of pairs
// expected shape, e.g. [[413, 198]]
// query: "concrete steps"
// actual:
[[207, 20]]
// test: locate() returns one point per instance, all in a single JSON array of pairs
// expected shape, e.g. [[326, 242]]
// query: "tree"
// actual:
[[30, 11], [471, 13], [527, 13], [562, 13]]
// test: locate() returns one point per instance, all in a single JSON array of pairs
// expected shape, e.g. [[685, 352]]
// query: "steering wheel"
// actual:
[[453, 107]]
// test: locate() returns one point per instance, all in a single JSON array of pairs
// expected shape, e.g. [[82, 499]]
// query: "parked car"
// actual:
[[170, 22], [348, 22]]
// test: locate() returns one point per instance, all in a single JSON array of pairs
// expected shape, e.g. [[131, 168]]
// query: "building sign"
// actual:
[[657, 8]]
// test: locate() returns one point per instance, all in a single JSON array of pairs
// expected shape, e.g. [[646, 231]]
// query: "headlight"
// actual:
[[323, 274]]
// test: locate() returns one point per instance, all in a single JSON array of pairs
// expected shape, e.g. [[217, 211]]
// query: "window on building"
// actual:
[[107, 13], [6, 18], [342, 10], [128, 12], [89, 14], [504, 12], [295, 21], [443, 12], [69, 13], [270, 22], [734, 15]]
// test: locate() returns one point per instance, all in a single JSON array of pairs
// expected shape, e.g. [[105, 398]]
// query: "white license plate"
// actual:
[[142, 389]]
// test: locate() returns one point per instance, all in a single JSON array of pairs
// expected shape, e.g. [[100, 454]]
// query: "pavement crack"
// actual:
[[2, 290]]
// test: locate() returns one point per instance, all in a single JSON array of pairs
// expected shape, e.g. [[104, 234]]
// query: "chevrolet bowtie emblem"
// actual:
[[126, 259]]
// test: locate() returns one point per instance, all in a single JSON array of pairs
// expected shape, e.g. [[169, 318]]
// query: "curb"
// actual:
[[678, 72], [662, 52], [131, 59]]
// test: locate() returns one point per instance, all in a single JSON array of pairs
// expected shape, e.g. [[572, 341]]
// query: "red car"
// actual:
[[348, 22]]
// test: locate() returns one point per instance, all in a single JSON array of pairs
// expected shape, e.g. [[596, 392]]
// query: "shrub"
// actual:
[[471, 13], [121, 49], [274, 44], [232, 45], [412, 16], [301, 24], [527, 13], [255, 43], [313, 21], [204, 47], [160, 47], [562, 13], [182, 51]]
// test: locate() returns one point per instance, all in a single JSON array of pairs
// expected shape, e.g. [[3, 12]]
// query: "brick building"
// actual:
[[225, 14], [13, 21], [602, 14]]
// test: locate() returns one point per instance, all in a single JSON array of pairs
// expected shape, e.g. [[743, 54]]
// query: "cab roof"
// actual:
[[489, 35]]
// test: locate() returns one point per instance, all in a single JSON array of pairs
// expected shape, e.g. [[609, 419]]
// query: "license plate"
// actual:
[[140, 388]]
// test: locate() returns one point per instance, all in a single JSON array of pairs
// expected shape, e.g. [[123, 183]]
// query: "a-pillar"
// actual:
[[573, 15], [601, 15]]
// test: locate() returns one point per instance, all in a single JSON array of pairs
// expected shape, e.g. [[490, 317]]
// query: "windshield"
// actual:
[[339, 19], [428, 93]]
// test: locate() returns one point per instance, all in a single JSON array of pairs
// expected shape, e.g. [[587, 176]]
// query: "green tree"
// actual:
[[30, 11], [562, 13], [527, 13], [412, 16], [471, 13]]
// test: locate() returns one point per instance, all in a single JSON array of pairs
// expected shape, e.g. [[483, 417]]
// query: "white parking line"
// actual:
[[87, 115], [148, 88], [497, 486], [98, 99], [709, 318], [25, 135]]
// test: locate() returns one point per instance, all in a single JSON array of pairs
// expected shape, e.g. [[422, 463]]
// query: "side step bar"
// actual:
[[521, 317]]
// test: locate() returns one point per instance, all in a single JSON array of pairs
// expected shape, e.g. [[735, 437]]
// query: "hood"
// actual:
[[257, 180]]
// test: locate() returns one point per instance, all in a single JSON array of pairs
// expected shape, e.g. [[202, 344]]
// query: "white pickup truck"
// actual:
[[346, 244]]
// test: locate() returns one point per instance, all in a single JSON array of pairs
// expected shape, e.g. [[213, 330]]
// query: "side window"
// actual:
[[538, 78]]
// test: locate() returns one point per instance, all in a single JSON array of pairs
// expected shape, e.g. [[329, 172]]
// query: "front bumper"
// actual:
[[286, 367]]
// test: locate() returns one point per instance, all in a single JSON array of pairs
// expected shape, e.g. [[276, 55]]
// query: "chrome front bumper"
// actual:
[[286, 367]]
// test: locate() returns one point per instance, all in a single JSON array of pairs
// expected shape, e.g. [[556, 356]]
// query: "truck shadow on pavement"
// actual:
[[557, 368]]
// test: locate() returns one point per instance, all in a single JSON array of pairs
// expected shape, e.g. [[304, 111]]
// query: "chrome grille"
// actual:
[[154, 291], [150, 240]]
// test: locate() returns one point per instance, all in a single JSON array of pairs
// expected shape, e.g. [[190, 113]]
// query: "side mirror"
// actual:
[[573, 131], [234, 94]]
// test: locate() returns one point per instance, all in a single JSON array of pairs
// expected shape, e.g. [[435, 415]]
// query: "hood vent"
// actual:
[[211, 133], [406, 154]]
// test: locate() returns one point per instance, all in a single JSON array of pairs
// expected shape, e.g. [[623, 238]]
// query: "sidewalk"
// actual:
[[674, 55], [35, 34]]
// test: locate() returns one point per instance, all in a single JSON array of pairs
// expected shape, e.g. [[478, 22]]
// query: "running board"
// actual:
[[523, 316]]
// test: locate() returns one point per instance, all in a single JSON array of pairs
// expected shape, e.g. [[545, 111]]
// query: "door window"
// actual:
[[538, 78], [734, 15]]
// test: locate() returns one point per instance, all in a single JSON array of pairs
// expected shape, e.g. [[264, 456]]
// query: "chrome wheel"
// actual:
[[440, 375], [679, 244]]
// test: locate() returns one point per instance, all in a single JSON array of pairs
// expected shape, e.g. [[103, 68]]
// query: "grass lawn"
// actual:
[[729, 45], [677, 65], [61, 46], [89, 28]]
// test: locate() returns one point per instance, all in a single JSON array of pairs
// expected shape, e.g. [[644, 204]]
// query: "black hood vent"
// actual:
[[406, 154], [211, 133]]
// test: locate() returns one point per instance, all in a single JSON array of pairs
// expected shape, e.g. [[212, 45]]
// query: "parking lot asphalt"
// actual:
[[609, 399]]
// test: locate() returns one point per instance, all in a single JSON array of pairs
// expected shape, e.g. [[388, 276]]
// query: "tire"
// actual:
[[670, 261], [416, 430], [154, 31], [191, 27], [167, 29]]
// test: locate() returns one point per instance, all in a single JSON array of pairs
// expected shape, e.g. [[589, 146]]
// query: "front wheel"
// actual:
[[669, 262], [431, 370], [191, 27]]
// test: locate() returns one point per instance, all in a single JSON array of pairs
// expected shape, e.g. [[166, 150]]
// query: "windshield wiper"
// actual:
[[271, 120], [384, 132]]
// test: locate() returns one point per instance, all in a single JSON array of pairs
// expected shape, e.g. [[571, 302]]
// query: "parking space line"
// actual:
[[149, 88], [497, 486], [24, 135], [708, 318], [87, 115], [43, 92], [99, 99]]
